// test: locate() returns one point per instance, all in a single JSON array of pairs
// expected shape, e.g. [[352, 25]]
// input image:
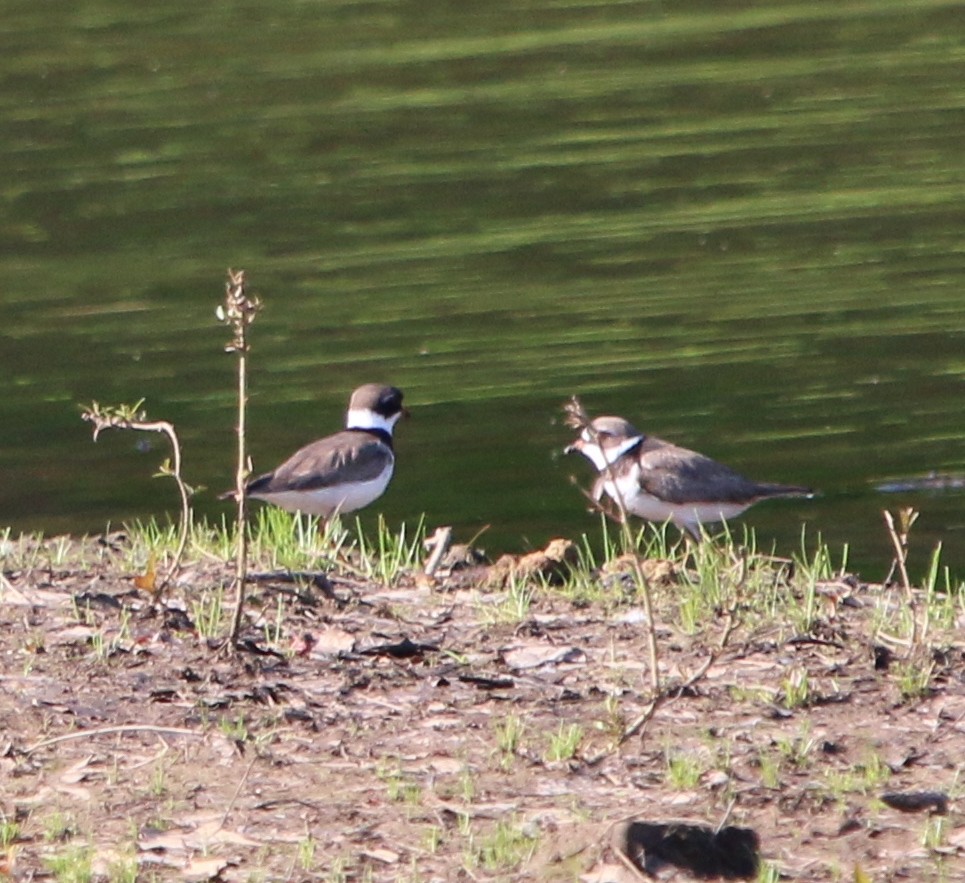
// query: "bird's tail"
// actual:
[[785, 490]]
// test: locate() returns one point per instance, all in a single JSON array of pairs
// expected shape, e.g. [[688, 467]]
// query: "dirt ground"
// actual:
[[415, 734]]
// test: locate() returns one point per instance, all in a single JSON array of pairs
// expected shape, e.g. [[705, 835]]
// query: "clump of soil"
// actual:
[[429, 732]]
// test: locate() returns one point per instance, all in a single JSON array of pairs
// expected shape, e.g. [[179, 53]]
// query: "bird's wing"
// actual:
[[326, 462], [680, 476]]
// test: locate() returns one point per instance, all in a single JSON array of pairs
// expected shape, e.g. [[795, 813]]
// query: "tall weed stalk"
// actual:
[[238, 312]]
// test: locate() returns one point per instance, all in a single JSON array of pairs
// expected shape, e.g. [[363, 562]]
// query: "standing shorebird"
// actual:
[[661, 482], [342, 472]]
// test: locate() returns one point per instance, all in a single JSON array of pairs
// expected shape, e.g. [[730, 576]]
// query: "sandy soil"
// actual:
[[407, 734]]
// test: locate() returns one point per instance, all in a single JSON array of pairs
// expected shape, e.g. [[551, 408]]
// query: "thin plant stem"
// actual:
[[578, 418], [130, 417], [241, 520], [899, 540], [238, 311]]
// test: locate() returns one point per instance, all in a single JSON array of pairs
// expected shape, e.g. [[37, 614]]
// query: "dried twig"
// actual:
[[104, 731], [238, 312], [899, 540], [234, 797], [679, 689], [578, 419], [627, 862], [599, 504], [725, 818], [576, 416], [439, 544], [132, 417]]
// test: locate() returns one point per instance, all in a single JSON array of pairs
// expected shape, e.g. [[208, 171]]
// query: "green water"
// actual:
[[740, 225]]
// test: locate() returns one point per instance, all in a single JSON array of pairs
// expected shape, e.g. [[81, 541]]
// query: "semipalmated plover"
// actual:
[[342, 472], [659, 481]]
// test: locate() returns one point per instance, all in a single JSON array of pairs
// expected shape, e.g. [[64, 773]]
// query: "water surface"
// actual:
[[739, 225]]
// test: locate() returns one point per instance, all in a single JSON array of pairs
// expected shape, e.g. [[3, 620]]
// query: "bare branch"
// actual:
[[133, 417]]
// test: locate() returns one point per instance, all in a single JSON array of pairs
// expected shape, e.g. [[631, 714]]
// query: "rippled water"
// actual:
[[738, 225]]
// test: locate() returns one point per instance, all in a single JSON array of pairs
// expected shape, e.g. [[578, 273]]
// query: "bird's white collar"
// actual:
[[363, 418], [601, 458]]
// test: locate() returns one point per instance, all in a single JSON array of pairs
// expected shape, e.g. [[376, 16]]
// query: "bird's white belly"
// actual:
[[684, 515], [326, 501]]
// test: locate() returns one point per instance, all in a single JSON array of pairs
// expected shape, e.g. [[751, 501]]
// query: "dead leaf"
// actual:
[[8, 862], [533, 655], [213, 833], [147, 581], [77, 772], [204, 868], [553, 565], [447, 766], [386, 856], [75, 634], [610, 873], [327, 642]]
